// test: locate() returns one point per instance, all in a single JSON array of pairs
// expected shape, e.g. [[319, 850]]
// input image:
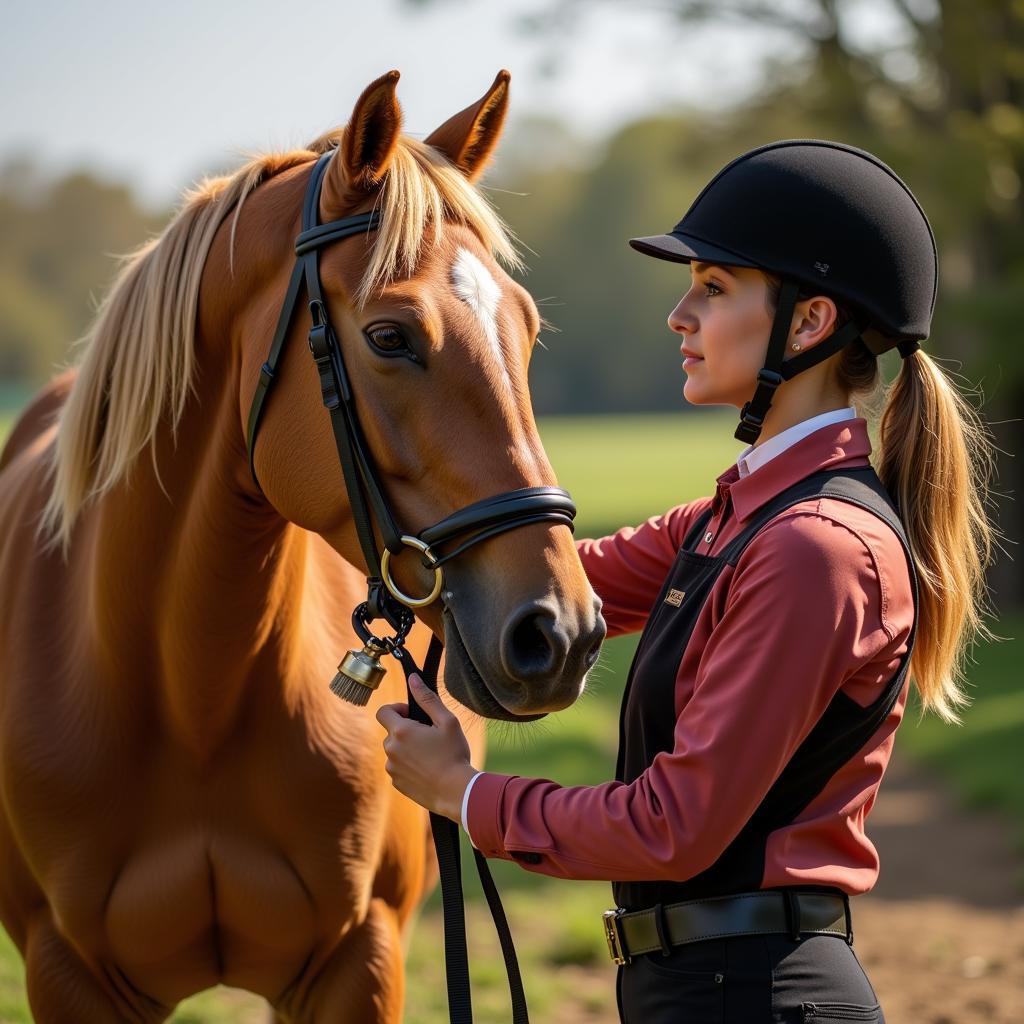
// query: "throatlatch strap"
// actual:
[[269, 367], [449, 861], [309, 240]]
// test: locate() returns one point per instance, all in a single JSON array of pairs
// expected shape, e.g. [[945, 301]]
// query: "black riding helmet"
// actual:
[[821, 216]]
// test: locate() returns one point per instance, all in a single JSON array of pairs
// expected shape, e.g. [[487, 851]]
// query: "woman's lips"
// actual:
[[691, 361]]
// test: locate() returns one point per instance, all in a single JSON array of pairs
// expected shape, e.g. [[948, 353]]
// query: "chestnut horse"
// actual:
[[184, 802]]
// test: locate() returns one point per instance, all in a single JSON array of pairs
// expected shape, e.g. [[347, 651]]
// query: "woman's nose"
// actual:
[[680, 319]]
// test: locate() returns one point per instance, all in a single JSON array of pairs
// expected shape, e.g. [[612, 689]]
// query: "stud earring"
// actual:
[[796, 346]]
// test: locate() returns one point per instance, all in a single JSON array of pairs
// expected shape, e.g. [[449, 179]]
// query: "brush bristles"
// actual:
[[348, 689]]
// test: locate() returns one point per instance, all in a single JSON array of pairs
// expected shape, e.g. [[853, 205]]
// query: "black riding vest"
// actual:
[[648, 717]]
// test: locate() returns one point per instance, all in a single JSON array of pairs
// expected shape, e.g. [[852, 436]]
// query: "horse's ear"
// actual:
[[468, 139], [371, 136]]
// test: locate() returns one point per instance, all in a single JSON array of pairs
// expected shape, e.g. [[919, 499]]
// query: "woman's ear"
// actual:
[[814, 320], [469, 137]]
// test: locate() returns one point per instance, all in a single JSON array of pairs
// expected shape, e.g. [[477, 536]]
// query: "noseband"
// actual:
[[473, 524]]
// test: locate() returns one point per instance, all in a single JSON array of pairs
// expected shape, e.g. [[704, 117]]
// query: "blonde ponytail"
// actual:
[[936, 459]]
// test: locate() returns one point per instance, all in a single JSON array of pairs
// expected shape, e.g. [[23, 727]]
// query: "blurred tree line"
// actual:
[[58, 243], [940, 101]]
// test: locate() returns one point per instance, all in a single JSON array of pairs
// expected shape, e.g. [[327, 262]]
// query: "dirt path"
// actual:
[[942, 933]]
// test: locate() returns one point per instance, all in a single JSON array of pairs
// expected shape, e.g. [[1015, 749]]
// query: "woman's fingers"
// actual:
[[389, 715], [429, 763], [429, 701]]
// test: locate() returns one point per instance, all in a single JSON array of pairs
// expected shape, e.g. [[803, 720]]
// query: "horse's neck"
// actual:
[[205, 586], [198, 588]]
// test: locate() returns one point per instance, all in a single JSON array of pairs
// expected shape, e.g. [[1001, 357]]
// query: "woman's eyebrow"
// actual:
[[701, 267]]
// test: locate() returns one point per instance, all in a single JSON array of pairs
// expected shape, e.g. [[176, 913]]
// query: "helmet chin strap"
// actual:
[[775, 371]]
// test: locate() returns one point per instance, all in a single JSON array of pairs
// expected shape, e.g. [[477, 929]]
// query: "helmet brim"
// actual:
[[680, 248]]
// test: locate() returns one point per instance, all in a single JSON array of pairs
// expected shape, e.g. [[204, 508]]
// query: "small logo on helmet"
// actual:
[[821, 268]]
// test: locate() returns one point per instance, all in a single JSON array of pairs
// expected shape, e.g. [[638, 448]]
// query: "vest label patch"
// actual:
[[675, 598]]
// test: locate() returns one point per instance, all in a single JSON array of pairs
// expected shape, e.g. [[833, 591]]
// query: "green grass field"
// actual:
[[621, 470]]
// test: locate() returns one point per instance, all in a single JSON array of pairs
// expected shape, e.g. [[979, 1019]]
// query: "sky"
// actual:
[[157, 94]]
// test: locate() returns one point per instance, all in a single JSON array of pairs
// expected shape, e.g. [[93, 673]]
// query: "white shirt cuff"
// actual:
[[465, 803]]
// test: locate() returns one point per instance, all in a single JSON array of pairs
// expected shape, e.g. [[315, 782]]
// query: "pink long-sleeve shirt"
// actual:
[[820, 601]]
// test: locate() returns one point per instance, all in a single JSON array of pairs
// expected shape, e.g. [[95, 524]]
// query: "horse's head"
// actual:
[[436, 339]]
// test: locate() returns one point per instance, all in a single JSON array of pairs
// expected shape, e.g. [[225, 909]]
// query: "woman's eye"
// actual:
[[711, 289], [388, 341]]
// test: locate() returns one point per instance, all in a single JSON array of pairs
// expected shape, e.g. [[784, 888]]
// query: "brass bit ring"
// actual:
[[393, 589]]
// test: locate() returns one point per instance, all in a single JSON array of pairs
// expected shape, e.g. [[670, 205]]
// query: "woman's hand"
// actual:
[[428, 763]]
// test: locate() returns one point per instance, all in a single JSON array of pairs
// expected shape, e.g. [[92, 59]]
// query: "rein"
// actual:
[[360, 671]]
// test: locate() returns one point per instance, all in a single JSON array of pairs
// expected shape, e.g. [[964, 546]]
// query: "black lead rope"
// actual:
[[449, 862], [520, 1015]]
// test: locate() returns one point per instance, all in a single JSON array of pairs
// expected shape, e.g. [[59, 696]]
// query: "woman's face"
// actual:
[[724, 323]]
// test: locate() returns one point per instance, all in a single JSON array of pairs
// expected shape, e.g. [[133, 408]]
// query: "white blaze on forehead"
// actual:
[[477, 288]]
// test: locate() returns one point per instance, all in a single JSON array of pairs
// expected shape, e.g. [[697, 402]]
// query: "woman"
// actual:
[[779, 615]]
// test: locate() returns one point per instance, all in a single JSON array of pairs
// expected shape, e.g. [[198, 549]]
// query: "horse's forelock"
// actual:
[[423, 189]]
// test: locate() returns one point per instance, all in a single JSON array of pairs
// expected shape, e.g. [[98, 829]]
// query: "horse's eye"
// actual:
[[388, 341]]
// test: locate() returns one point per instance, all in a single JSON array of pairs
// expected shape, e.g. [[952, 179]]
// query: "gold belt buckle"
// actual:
[[611, 933]]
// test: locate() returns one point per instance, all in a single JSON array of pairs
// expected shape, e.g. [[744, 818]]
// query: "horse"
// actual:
[[184, 802]]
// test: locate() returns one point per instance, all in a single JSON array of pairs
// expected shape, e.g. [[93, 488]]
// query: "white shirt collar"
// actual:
[[753, 458]]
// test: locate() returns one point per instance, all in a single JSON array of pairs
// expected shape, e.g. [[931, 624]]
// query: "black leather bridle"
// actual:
[[385, 600], [475, 523]]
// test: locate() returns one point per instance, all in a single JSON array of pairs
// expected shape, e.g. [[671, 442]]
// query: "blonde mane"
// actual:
[[137, 360]]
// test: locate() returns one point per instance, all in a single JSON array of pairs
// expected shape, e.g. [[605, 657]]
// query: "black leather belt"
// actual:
[[787, 911]]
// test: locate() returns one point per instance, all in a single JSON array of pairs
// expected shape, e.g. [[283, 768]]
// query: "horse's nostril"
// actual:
[[530, 640], [592, 656], [535, 646]]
